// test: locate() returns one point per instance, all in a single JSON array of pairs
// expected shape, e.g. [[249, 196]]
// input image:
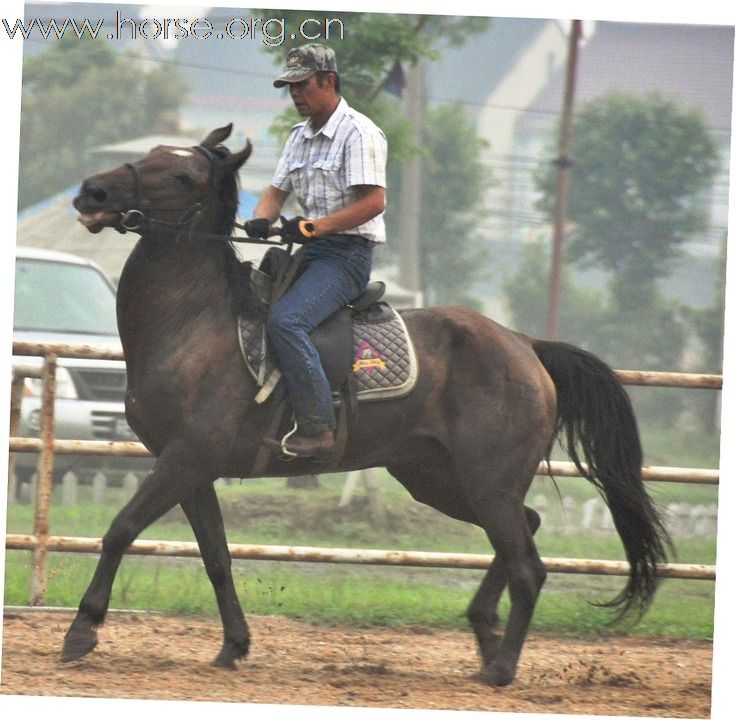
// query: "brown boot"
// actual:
[[305, 446]]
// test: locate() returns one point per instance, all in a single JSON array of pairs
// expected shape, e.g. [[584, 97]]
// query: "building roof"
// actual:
[[142, 145], [691, 62], [52, 225], [471, 72]]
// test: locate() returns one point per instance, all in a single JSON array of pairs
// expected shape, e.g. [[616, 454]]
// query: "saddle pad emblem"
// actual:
[[367, 358], [384, 363]]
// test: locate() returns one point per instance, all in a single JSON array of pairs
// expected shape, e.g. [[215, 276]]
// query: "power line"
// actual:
[[435, 100]]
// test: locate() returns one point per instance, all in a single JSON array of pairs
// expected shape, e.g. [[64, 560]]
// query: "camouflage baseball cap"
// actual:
[[304, 61]]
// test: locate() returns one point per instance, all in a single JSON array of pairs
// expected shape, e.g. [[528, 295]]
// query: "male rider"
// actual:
[[335, 164]]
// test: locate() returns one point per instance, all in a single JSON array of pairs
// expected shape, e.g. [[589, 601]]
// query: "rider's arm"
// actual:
[[270, 204], [371, 202]]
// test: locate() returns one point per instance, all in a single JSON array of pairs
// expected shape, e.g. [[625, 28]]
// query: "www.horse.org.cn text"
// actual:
[[269, 31]]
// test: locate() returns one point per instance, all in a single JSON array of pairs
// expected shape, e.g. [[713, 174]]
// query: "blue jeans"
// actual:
[[335, 270]]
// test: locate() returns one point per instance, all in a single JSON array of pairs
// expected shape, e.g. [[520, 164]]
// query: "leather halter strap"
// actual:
[[134, 218]]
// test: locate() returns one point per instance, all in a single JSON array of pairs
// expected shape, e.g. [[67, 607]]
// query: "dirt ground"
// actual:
[[156, 657]]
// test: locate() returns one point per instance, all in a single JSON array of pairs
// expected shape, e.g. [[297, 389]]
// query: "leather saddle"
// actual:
[[333, 339], [338, 342]]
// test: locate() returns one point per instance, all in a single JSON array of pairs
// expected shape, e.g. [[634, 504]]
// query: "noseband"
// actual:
[[135, 220]]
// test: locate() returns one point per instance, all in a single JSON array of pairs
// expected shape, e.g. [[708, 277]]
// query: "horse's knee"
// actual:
[[118, 537]]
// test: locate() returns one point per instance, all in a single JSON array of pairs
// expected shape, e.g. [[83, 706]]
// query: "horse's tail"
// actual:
[[595, 414]]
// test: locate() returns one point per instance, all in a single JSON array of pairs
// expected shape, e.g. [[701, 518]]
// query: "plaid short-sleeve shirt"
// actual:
[[323, 168]]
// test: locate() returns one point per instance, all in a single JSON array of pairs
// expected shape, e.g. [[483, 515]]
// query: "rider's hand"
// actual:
[[257, 228], [298, 229]]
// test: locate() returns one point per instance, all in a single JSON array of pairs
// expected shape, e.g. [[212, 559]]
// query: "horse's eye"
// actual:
[[185, 180]]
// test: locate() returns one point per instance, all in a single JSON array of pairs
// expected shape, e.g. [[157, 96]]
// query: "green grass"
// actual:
[[364, 596], [678, 447], [268, 512]]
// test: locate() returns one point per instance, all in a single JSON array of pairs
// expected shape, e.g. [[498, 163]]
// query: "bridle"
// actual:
[[135, 220]]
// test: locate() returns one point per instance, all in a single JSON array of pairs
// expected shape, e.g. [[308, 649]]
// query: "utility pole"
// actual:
[[410, 192], [564, 164]]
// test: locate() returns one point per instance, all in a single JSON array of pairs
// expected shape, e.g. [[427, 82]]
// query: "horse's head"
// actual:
[[165, 189]]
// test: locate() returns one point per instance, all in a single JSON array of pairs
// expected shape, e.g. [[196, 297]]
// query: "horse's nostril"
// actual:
[[94, 192]]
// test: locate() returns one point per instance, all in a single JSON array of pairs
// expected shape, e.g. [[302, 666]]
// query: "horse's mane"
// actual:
[[227, 184], [237, 272]]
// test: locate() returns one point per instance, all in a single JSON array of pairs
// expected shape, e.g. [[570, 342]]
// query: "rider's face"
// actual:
[[312, 99]]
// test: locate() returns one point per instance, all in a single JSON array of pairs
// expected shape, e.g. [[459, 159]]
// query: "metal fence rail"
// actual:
[[39, 543]]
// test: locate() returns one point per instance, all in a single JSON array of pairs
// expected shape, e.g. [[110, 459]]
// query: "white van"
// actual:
[[63, 298]]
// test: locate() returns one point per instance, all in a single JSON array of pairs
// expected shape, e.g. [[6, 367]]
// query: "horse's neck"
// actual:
[[168, 290]]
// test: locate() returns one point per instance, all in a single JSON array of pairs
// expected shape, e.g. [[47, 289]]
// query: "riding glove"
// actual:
[[298, 229], [257, 228]]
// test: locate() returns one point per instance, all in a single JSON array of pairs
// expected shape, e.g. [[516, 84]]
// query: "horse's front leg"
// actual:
[[203, 512], [175, 475]]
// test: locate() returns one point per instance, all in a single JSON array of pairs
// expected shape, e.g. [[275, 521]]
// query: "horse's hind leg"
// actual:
[[495, 491], [176, 474], [203, 512], [505, 523], [483, 610]]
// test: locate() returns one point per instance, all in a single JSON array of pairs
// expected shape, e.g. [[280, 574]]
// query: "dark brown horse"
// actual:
[[467, 440]]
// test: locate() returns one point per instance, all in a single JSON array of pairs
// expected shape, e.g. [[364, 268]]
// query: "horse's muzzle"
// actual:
[[90, 203]]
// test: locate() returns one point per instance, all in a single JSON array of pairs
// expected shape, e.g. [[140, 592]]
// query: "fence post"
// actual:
[[69, 489], [99, 485], [16, 398], [130, 485], [348, 488], [570, 518], [12, 493], [45, 482], [541, 505], [591, 513], [376, 506]]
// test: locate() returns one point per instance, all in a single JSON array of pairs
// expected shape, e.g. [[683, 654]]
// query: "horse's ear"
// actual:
[[217, 136], [234, 161]]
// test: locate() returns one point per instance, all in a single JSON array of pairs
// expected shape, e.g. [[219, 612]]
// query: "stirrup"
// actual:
[[287, 453]]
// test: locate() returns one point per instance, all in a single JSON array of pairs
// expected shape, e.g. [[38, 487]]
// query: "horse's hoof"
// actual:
[[230, 653], [496, 675], [77, 645]]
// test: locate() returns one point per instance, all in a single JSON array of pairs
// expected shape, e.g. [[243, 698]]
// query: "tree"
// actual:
[[641, 164], [78, 94], [655, 341], [452, 256], [380, 45], [708, 325]]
